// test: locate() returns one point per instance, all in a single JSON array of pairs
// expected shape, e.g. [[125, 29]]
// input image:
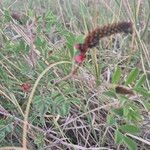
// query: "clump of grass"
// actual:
[[49, 102]]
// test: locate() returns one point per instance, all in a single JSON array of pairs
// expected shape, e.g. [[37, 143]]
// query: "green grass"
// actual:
[[44, 106]]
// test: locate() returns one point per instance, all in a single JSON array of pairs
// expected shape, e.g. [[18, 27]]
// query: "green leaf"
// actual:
[[118, 111], [140, 81], [142, 91], [147, 105], [118, 137], [125, 111], [64, 109], [110, 93], [59, 99], [116, 76], [30, 13], [42, 104], [131, 114], [3, 75], [130, 143], [72, 39], [39, 141], [131, 76], [2, 135], [9, 128], [40, 43], [50, 17], [7, 15], [129, 129], [110, 120], [122, 99], [75, 101]]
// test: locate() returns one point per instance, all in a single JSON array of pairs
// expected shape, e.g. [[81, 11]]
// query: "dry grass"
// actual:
[[47, 101]]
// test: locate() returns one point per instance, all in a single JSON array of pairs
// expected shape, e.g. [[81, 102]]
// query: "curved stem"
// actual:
[[24, 136]]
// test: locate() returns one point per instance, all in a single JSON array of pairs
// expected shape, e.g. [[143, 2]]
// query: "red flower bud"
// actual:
[[25, 87], [79, 58]]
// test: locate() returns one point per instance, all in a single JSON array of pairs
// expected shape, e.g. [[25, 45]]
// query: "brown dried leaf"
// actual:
[[123, 90]]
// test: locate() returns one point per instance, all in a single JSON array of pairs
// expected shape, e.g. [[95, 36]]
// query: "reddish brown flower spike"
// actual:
[[25, 87], [123, 90], [92, 39]]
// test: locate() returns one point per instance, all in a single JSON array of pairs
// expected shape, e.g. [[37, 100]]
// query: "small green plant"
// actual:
[[126, 118]]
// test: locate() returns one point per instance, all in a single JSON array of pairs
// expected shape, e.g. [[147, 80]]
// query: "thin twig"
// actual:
[[138, 138], [93, 110], [73, 71]]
